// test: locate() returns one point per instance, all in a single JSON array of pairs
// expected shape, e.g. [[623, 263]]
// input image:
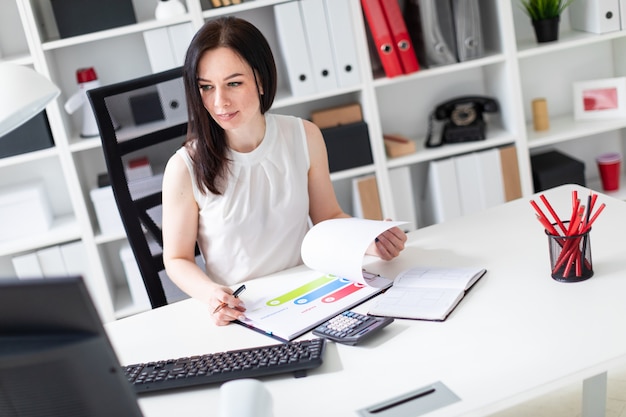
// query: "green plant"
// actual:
[[544, 9]]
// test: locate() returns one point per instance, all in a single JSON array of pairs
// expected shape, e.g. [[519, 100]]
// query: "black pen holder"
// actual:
[[570, 256]]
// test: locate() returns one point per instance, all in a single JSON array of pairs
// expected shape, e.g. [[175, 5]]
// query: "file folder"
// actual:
[[431, 27], [400, 35], [318, 41], [468, 177], [442, 192], [294, 48], [341, 29], [598, 16], [467, 26], [381, 35]]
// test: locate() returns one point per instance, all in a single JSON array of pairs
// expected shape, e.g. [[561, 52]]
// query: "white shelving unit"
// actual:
[[515, 70]]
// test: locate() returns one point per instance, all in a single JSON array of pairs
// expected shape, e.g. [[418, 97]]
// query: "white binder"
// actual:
[[180, 38], [27, 266], [491, 177], [157, 45], [167, 46], [469, 183], [294, 48], [318, 40], [403, 197], [596, 16], [339, 18], [443, 202]]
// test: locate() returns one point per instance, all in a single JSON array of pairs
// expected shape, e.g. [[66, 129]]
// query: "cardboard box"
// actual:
[[348, 146], [553, 168], [398, 145], [107, 213], [24, 211], [336, 116]]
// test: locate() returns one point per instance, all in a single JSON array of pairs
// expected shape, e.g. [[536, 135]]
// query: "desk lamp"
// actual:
[[23, 94]]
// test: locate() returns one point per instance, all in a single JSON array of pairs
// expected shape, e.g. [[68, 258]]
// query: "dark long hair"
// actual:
[[209, 152]]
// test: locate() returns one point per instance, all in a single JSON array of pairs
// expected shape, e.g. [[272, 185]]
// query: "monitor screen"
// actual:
[[55, 357]]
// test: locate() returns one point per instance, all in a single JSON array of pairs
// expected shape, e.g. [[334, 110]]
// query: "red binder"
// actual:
[[400, 35], [382, 37]]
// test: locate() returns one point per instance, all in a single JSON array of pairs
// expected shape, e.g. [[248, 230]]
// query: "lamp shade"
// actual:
[[23, 94]]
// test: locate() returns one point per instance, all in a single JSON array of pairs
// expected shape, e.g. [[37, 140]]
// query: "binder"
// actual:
[[51, 262], [366, 200], [157, 45], [597, 16], [489, 165], [469, 183], [442, 190], [294, 48], [167, 47], [27, 266], [431, 27], [339, 19], [318, 41], [180, 38], [510, 173], [403, 197], [467, 26], [382, 38], [400, 35]]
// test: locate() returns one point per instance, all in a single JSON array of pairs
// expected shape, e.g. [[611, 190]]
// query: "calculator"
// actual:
[[350, 328]]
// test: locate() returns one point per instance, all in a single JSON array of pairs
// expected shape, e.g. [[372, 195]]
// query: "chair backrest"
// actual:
[[142, 122]]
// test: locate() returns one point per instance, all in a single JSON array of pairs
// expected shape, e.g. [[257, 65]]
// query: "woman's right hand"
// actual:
[[224, 307]]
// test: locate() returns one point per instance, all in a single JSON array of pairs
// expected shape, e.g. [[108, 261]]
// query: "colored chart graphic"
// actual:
[[328, 288]]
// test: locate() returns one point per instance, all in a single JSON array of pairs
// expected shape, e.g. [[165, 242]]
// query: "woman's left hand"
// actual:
[[388, 244]]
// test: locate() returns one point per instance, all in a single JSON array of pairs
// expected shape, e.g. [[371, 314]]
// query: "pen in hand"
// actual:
[[235, 294]]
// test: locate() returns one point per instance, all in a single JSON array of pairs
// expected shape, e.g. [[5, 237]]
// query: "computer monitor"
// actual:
[[55, 357]]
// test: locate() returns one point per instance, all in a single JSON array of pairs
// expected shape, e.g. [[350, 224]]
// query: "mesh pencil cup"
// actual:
[[570, 257]]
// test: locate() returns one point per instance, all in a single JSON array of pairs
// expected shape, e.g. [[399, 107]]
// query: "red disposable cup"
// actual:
[[609, 165]]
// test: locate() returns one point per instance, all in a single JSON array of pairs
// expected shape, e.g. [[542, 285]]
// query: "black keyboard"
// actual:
[[220, 367]]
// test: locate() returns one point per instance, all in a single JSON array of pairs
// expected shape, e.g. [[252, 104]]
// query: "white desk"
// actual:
[[518, 333]]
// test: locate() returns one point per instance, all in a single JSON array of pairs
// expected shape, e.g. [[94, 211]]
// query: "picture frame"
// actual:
[[600, 99]]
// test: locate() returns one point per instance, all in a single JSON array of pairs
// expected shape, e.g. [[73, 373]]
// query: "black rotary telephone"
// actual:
[[463, 118]]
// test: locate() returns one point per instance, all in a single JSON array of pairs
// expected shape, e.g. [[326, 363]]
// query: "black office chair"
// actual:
[[139, 118]]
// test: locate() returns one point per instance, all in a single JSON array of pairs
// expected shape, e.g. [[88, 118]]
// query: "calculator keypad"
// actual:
[[350, 327]]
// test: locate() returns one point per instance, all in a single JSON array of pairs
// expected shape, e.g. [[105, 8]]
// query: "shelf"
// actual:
[[352, 173], [84, 144], [567, 39], [565, 128], [34, 156], [64, 229], [112, 33], [489, 59], [237, 8], [495, 137]]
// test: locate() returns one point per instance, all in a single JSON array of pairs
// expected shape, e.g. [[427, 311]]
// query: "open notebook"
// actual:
[[332, 281]]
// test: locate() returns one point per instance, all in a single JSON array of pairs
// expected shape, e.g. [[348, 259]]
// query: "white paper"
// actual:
[[338, 246]]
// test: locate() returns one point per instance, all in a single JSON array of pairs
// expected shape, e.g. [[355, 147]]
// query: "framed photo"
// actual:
[[600, 99]]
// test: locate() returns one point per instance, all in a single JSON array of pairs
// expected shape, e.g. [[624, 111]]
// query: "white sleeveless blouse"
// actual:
[[256, 227]]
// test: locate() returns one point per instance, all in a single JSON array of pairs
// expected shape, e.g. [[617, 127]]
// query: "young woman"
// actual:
[[246, 182]]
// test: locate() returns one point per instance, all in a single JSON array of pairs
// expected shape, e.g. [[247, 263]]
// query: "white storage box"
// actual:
[[24, 211], [133, 277], [107, 213]]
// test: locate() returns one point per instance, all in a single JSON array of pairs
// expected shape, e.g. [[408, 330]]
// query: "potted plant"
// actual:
[[545, 16]]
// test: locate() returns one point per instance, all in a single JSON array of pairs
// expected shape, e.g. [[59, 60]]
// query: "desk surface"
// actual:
[[516, 335]]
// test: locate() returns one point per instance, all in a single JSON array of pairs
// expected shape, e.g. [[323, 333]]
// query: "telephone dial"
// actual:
[[463, 119]]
